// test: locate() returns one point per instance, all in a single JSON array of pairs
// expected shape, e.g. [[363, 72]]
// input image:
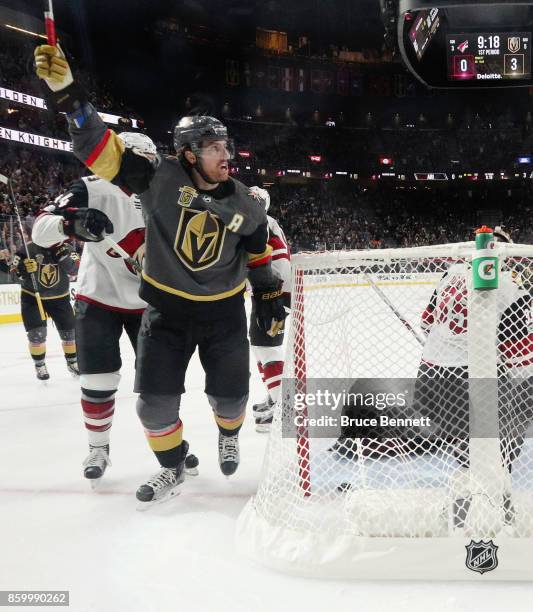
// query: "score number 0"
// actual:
[[464, 67]]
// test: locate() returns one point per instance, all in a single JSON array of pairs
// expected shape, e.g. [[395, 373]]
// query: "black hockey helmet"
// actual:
[[191, 131]]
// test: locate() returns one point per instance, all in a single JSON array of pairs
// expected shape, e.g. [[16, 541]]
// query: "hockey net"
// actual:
[[444, 369]]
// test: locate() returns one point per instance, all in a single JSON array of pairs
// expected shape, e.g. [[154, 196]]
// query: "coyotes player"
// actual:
[[107, 301], [268, 350]]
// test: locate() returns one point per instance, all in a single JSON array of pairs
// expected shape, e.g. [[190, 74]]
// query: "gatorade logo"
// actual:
[[487, 271]]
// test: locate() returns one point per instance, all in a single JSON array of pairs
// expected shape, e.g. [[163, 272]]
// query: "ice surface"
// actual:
[[56, 533]]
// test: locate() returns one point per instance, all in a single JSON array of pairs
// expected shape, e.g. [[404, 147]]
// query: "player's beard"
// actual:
[[219, 174]]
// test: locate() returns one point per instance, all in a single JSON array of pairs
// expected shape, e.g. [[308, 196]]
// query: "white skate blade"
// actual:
[[191, 471], [144, 506], [263, 428]]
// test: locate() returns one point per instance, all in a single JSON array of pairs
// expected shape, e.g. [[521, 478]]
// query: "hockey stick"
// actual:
[[50, 25], [4, 179], [124, 254], [385, 299]]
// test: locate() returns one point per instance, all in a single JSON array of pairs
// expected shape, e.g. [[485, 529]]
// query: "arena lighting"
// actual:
[[244, 153], [386, 161], [527, 159], [29, 32], [293, 171], [315, 158]]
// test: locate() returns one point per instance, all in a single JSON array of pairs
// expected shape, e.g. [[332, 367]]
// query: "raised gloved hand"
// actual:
[[51, 65], [87, 224], [270, 313]]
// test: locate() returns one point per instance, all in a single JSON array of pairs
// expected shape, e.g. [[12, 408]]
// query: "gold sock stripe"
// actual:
[[69, 348], [37, 350], [230, 424], [166, 442]]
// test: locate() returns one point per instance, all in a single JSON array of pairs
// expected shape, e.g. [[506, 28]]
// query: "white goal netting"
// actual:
[[404, 424]]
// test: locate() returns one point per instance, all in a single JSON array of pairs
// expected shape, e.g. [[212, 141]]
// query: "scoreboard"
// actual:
[[489, 56]]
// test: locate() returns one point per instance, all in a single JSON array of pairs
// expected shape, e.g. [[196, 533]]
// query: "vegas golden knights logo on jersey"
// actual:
[[199, 239], [48, 275], [187, 195]]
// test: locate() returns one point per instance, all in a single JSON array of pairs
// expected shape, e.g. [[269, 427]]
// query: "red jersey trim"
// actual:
[[84, 298], [98, 149]]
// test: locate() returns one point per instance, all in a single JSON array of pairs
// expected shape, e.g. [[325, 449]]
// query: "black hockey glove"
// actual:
[[270, 313], [87, 224]]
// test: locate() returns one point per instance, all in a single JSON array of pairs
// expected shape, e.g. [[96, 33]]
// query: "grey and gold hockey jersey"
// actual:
[[52, 270], [198, 244]]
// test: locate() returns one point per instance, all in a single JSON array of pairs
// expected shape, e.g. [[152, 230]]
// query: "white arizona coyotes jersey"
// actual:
[[445, 322], [281, 256], [104, 278]]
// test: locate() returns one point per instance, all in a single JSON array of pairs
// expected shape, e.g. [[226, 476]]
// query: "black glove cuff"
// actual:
[[262, 278], [69, 100]]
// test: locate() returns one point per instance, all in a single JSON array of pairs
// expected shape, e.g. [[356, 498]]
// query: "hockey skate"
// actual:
[[72, 367], [96, 463], [163, 485], [263, 415], [228, 453], [42, 371]]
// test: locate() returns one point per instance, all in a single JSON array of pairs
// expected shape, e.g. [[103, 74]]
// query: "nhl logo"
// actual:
[[514, 44], [481, 556]]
